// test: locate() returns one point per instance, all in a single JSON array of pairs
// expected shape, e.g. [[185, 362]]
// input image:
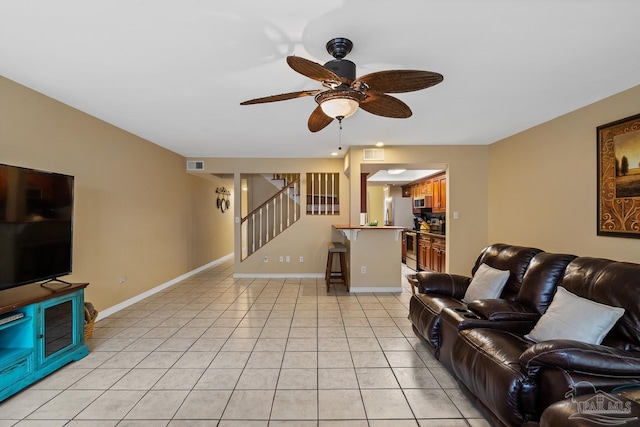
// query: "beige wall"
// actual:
[[306, 238], [376, 203], [467, 192], [543, 184], [138, 215], [259, 190]]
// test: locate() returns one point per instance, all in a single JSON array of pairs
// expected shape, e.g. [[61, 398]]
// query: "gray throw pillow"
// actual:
[[575, 318], [487, 283]]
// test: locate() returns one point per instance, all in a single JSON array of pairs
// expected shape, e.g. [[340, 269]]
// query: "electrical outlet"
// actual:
[[266, 258], [281, 258], [288, 259], [301, 259], [363, 270]]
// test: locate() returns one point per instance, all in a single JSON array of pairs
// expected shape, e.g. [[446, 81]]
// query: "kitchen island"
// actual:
[[374, 255]]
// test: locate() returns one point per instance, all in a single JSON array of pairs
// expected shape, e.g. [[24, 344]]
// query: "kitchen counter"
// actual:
[[351, 231], [430, 234], [374, 256], [368, 227]]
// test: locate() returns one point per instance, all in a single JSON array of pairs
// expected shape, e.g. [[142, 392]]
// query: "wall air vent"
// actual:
[[195, 165], [372, 154]]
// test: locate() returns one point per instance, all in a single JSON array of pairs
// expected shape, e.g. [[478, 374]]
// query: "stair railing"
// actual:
[[270, 218]]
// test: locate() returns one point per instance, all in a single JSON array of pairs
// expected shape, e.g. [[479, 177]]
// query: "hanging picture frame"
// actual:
[[619, 178]]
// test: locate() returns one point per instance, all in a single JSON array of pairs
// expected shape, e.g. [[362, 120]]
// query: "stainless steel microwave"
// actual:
[[418, 202]]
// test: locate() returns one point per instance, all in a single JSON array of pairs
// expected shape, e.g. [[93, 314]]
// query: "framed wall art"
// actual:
[[619, 178]]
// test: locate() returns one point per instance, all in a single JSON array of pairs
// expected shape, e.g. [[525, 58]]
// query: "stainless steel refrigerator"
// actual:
[[399, 212]]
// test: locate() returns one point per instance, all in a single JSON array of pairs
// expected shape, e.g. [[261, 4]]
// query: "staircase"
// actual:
[[273, 216], [281, 180]]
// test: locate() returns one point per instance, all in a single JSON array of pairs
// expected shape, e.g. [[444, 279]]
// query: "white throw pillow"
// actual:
[[575, 318], [487, 283]]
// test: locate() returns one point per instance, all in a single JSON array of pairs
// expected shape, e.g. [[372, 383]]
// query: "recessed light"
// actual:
[[334, 153], [379, 144]]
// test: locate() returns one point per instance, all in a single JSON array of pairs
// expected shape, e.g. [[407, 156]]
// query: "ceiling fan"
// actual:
[[344, 92]]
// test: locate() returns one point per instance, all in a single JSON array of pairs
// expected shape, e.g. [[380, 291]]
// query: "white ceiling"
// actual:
[[174, 72]]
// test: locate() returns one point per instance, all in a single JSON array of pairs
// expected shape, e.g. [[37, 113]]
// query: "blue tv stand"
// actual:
[[48, 336]]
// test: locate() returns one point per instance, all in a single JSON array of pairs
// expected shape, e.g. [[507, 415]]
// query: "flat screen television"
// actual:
[[36, 225]]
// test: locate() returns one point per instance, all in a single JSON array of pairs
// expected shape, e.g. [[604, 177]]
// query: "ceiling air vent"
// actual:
[[373, 154], [195, 165]]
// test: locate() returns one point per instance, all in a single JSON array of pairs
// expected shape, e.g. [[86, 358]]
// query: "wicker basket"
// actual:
[[89, 321]]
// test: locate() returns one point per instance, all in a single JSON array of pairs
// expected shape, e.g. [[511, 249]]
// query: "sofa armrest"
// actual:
[[451, 285], [503, 310], [577, 356], [463, 319]]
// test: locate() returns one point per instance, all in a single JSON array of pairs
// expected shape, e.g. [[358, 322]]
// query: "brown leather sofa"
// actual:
[[437, 291], [511, 377]]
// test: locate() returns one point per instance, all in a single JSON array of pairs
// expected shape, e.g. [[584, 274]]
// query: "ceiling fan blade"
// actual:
[[313, 70], [398, 81], [318, 120], [385, 105], [282, 97]]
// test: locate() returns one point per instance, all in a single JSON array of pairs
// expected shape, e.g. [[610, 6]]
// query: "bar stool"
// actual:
[[341, 276]]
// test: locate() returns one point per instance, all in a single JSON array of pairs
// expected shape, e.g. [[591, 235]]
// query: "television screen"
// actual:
[[36, 212]]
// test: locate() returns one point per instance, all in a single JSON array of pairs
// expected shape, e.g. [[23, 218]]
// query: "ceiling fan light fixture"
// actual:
[[339, 103], [346, 93], [339, 107]]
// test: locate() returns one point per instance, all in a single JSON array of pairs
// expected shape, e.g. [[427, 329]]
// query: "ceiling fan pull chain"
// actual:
[[339, 132]]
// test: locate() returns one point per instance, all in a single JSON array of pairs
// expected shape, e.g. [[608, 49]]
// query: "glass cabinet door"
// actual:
[[58, 327]]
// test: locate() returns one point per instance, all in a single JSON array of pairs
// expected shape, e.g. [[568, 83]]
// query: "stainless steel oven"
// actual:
[[412, 250]]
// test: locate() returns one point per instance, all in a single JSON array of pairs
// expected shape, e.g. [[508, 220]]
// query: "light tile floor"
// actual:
[[213, 350]]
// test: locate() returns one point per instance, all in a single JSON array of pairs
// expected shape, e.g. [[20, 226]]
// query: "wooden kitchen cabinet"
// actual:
[[433, 190], [424, 252], [428, 187], [428, 193], [432, 253], [421, 255], [439, 193], [438, 255]]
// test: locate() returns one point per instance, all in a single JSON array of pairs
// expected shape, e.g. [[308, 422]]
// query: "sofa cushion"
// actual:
[[501, 309], [541, 279], [424, 313], [487, 362], [487, 283], [574, 318], [595, 278], [516, 259]]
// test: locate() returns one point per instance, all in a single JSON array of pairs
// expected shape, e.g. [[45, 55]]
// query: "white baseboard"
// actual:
[[375, 289], [279, 276], [124, 304]]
